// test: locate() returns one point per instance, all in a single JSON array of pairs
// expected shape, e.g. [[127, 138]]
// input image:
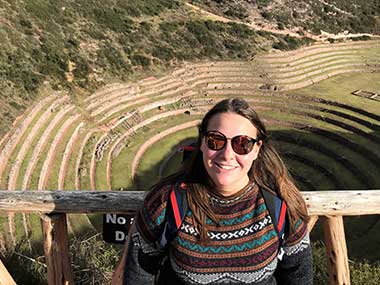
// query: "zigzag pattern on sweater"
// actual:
[[226, 249], [228, 235], [220, 263]]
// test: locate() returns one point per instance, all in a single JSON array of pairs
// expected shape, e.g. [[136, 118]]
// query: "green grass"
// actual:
[[337, 169], [18, 146], [19, 226], [85, 182], [151, 98], [30, 150], [316, 70], [81, 225], [4, 227], [101, 171], [296, 79], [174, 163], [69, 182], [361, 271], [34, 179], [339, 88], [52, 181], [305, 60], [35, 227], [154, 156], [361, 162], [122, 179]]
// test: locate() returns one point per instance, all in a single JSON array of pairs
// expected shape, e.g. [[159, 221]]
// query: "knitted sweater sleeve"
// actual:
[[296, 265], [144, 255]]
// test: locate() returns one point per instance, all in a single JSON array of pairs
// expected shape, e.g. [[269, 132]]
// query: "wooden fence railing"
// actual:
[[330, 206]]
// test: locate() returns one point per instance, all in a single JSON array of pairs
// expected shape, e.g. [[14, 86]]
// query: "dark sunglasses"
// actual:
[[240, 144]]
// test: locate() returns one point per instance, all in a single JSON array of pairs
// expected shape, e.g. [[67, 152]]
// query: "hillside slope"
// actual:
[[69, 44], [314, 16]]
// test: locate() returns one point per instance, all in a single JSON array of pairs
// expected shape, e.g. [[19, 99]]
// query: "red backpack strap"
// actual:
[[277, 211], [176, 197], [176, 210], [281, 218]]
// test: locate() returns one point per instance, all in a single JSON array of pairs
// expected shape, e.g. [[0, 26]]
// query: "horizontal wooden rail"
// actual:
[[71, 201], [319, 203]]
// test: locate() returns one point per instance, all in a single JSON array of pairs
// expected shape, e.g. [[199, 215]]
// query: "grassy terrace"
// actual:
[[149, 168], [53, 171], [41, 149], [124, 159], [84, 176], [309, 142], [17, 147], [25, 156], [69, 181], [358, 122], [328, 137]]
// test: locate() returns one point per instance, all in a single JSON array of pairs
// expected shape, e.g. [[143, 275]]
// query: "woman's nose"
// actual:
[[227, 151]]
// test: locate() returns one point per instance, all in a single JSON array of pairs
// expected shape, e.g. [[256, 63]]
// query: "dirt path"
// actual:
[[262, 26]]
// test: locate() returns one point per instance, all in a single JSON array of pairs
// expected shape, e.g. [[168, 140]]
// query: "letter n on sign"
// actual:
[[115, 227]]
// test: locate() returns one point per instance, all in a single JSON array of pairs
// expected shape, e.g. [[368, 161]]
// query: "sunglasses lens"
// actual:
[[242, 144], [215, 141]]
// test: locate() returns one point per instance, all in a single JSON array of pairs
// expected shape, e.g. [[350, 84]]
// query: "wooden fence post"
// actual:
[[5, 277], [313, 220], [336, 249], [56, 247]]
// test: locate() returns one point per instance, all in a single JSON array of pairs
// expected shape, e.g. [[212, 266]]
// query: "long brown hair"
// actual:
[[268, 171]]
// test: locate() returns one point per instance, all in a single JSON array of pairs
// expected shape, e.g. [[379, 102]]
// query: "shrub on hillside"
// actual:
[[291, 43], [240, 31], [169, 27], [20, 72], [81, 70], [115, 19], [52, 59], [163, 52], [137, 8], [361, 38], [331, 40], [140, 60], [111, 58], [237, 12], [263, 3]]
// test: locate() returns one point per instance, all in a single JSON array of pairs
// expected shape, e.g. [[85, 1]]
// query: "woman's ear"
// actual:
[[203, 145], [256, 149]]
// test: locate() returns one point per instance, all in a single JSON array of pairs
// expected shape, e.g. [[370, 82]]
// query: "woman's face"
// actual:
[[227, 169]]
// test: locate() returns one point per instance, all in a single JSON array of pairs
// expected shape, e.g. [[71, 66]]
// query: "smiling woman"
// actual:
[[228, 164], [227, 230]]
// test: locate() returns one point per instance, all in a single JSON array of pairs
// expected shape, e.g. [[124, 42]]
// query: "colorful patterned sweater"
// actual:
[[243, 249]]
